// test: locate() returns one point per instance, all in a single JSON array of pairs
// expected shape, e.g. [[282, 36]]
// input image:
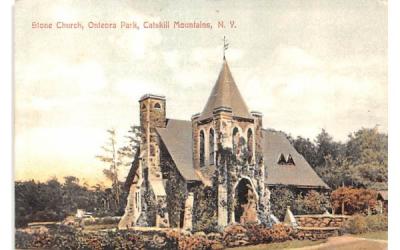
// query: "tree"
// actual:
[[353, 200], [360, 162], [307, 149], [128, 151], [327, 147], [367, 150], [118, 158], [112, 158]]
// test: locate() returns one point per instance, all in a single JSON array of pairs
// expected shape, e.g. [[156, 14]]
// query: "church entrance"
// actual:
[[245, 202]]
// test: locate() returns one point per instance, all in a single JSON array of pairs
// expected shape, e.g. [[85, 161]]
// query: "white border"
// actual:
[[394, 125], [6, 176]]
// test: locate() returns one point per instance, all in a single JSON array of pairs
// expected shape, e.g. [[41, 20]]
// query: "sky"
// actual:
[[306, 65]]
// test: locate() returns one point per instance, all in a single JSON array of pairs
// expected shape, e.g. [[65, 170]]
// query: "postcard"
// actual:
[[201, 125]]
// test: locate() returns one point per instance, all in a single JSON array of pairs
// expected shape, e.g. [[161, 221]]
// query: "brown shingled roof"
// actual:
[[299, 174], [177, 138], [225, 94]]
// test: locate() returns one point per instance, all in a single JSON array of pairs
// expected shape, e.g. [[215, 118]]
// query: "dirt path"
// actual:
[[348, 243]]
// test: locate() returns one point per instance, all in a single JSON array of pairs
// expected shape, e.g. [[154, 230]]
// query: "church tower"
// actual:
[[152, 116], [227, 151]]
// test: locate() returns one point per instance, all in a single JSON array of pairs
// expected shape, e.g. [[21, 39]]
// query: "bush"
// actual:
[[357, 224], [353, 200], [189, 242], [377, 223], [361, 224], [258, 233]]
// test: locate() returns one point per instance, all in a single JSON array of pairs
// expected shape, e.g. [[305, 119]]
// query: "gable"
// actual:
[[177, 138], [298, 174]]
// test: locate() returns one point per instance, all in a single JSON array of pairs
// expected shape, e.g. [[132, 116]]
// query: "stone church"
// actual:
[[213, 170]]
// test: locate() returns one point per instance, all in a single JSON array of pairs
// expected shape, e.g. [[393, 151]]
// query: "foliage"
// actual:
[[377, 222], [205, 209], [281, 198], [253, 233], [175, 188], [117, 158], [312, 202], [352, 200], [362, 224], [360, 162], [65, 237], [190, 242], [357, 225], [258, 233], [53, 201], [299, 201]]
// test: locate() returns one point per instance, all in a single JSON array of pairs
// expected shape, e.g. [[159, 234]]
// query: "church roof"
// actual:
[[298, 174], [177, 138], [225, 94]]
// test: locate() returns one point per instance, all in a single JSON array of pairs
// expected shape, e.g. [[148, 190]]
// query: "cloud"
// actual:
[[298, 88], [328, 74]]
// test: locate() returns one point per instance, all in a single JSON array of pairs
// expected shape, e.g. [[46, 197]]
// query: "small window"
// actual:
[[282, 160], [235, 141], [157, 106], [211, 146], [290, 160], [250, 145], [202, 149], [144, 106]]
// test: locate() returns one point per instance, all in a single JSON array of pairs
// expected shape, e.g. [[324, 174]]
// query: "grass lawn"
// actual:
[[380, 235], [358, 245], [282, 245]]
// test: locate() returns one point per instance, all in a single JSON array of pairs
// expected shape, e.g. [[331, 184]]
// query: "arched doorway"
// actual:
[[245, 202]]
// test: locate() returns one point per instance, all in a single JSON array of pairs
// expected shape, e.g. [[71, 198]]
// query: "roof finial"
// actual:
[[226, 45]]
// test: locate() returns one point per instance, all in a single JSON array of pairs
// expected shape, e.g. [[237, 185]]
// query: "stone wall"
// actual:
[[321, 226], [175, 188], [321, 220]]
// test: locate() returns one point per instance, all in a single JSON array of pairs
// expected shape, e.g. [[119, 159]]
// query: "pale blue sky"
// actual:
[[306, 65]]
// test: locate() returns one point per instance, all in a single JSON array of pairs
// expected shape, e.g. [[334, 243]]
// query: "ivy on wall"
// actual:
[[175, 189]]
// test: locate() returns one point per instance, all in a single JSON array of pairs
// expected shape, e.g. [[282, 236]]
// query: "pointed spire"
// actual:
[[226, 46], [225, 94]]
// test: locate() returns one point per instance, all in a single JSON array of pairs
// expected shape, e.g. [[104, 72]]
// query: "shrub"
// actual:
[[377, 223], [361, 224], [189, 242], [233, 233], [312, 202], [280, 232], [357, 224], [258, 234], [352, 200]]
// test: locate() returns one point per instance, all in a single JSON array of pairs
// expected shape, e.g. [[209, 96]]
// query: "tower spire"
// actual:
[[226, 45]]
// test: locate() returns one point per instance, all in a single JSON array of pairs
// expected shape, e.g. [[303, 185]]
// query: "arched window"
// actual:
[[144, 106], [235, 141], [250, 145], [211, 146], [202, 158], [157, 106]]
